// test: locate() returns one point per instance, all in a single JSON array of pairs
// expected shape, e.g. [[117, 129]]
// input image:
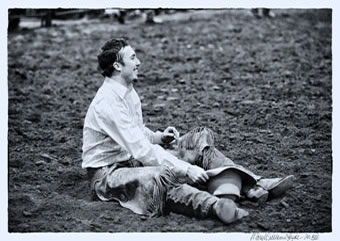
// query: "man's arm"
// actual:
[[116, 122], [165, 137], [154, 137]]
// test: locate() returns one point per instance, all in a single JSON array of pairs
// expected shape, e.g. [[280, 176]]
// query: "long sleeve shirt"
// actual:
[[114, 131]]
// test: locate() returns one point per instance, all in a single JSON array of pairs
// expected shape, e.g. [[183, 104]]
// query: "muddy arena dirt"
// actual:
[[263, 85]]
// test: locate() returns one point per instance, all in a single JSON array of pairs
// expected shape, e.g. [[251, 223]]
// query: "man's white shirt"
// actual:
[[114, 131]]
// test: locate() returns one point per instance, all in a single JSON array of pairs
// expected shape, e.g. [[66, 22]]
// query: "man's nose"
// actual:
[[138, 62]]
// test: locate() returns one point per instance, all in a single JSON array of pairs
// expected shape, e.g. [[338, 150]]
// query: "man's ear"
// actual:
[[116, 66]]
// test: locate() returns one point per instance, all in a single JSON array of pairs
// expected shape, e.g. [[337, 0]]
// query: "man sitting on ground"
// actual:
[[126, 162]]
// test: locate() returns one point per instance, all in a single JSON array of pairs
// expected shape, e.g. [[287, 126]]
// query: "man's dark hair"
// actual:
[[109, 55]]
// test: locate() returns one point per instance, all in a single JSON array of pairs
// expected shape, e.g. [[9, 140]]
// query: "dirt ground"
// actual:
[[264, 86]]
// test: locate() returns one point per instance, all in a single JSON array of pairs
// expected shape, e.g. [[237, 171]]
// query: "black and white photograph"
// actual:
[[170, 120]]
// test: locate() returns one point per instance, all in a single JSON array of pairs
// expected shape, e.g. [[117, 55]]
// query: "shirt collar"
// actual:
[[118, 88]]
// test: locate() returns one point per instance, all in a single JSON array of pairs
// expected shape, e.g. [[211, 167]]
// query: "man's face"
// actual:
[[129, 70]]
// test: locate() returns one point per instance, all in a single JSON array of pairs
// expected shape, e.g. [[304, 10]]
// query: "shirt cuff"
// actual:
[[183, 167], [179, 166]]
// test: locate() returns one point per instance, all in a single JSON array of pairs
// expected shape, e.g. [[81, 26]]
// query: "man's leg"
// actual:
[[197, 147], [140, 189], [190, 201], [151, 190]]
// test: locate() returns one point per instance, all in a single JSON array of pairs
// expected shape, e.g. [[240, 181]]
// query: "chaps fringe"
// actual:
[[207, 157], [163, 182], [191, 140]]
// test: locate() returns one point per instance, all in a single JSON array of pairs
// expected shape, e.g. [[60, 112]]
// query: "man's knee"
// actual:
[[197, 139]]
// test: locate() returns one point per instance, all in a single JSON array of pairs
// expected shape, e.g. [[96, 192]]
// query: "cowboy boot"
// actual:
[[276, 186], [190, 201], [269, 188]]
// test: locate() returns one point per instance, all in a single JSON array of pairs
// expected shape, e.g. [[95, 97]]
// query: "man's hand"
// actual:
[[197, 174], [169, 134]]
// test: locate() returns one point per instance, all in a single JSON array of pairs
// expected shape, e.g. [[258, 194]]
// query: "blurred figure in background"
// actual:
[[123, 14], [262, 12]]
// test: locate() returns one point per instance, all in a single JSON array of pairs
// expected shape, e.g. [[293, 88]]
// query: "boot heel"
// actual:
[[258, 195]]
